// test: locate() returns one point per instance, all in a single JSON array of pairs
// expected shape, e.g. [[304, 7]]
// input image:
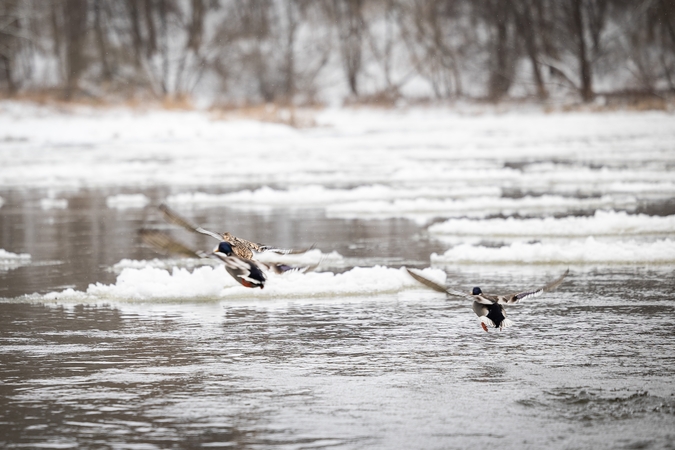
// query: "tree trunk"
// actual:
[[196, 26], [136, 37], [528, 33], [585, 73], [101, 41], [75, 21], [501, 66], [350, 24]]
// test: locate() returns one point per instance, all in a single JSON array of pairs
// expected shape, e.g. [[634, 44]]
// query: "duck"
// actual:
[[247, 272], [490, 307], [244, 271], [240, 247]]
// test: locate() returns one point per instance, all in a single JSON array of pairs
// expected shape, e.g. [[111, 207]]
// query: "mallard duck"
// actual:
[[245, 271], [241, 269], [489, 307], [240, 247]]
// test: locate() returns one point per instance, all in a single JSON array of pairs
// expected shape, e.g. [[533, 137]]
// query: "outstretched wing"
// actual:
[[435, 286], [175, 218], [534, 293], [242, 247], [166, 244]]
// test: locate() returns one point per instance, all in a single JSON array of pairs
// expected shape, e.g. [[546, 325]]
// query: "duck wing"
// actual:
[[175, 218], [245, 247], [435, 286], [166, 244], [537, 292]]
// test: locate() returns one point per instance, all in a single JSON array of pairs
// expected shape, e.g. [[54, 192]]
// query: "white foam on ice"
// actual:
[[310, 258], [209, 283], [53, 203], [6, 256], [127, 201], [581, 252], [168, 263], [607, 223], [320, 196], [476, 207], [9, 260]]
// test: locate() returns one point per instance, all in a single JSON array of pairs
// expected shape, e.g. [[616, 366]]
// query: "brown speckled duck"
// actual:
[[240, 247]]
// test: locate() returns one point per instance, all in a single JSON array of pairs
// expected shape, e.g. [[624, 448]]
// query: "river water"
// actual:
[[590, 366], [91, 356]]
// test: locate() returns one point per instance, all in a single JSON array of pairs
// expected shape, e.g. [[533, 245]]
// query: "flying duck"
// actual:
[[247, 272], [489, 307], [240, 247]]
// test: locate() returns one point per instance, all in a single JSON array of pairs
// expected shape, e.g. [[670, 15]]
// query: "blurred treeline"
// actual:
[[307, 51]]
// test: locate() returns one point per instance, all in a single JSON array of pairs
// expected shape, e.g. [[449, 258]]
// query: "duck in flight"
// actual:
[[490, 307], [240, 247], [246, 272]]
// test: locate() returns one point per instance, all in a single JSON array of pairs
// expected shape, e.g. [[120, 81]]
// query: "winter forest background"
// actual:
[[304, 52]]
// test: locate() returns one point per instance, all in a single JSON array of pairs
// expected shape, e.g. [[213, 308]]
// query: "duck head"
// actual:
[[224, 247], [476, 291]]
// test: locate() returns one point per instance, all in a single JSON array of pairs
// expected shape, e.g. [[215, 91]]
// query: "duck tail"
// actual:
[[505, 323], [486, 323]]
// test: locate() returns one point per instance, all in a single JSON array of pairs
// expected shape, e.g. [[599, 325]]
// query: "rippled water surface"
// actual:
[[588, 366]]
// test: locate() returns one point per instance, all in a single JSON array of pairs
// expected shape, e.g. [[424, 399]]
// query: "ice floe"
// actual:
[[53, 203], [582, 252], [601, 223], [127, 201], [213, 283], [320, 196], [9, 260], [476, 207]]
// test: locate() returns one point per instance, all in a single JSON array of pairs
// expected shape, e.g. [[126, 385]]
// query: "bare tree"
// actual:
[[529, 19], [436, 41], [10, 41], [74, 31], [584, 21], [350, 26], [498, 18]]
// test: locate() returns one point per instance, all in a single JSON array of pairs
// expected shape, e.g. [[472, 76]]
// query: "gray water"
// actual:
[[588, 366]]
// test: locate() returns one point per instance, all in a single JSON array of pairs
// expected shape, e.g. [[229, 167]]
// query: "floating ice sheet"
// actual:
[[127, 201], [320, 196], [476, 207], [582, 252], [601, 223], [53, 203], [9, 260], [214, 283]]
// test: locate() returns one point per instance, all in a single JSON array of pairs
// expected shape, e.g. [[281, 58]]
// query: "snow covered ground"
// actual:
[[520, 187]]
